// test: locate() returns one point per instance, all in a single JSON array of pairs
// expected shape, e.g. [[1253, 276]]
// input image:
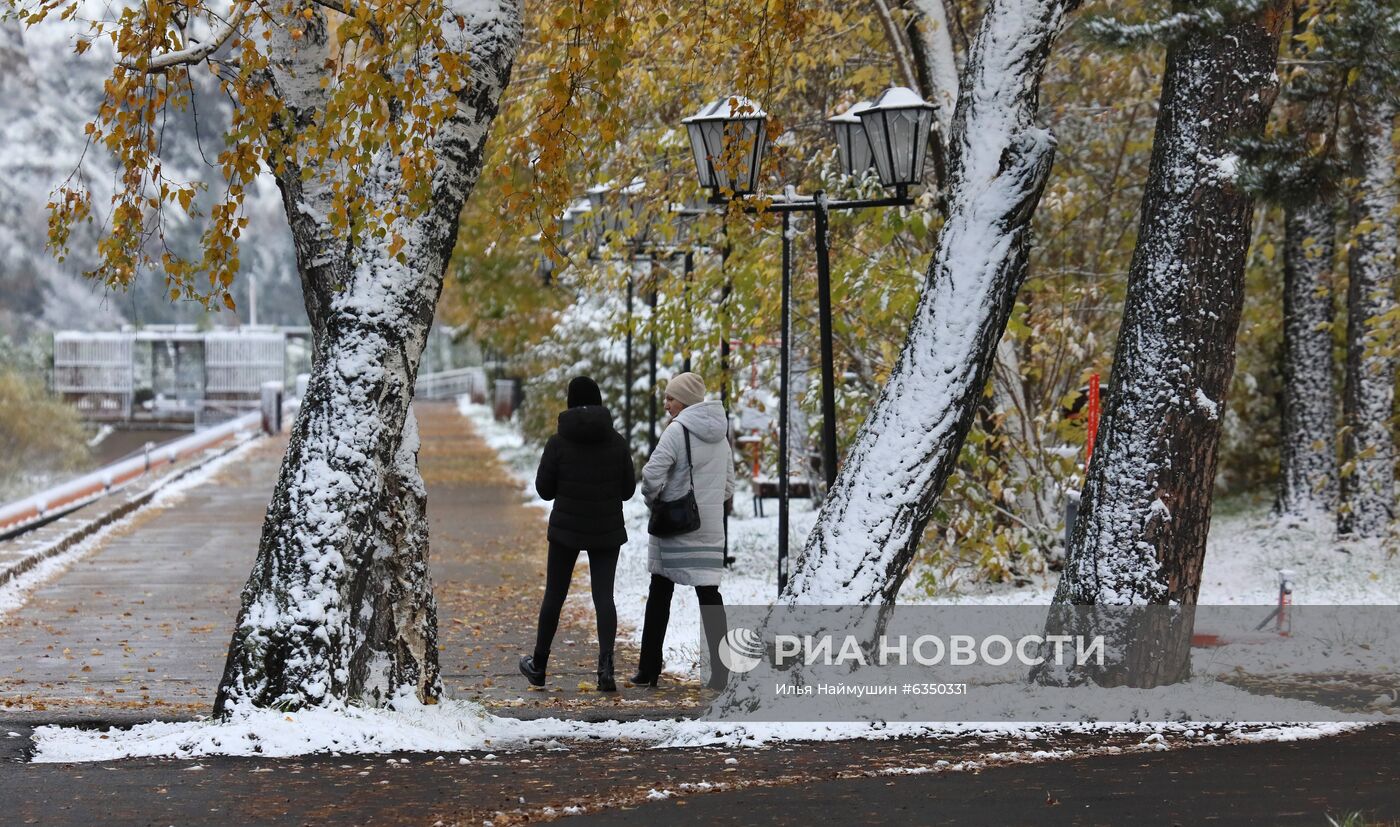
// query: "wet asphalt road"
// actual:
[[891, 782]]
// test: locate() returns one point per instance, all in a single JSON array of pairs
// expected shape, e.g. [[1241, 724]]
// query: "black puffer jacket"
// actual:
[[587, 470]]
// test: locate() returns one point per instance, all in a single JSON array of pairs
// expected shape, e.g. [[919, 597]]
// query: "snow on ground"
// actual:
[[1246, 550], [457, 726]]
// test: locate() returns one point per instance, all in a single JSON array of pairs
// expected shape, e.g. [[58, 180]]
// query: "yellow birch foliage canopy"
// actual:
[[599, 85], [390, 82]]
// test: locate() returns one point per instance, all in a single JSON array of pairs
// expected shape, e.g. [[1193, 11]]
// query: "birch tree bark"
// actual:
[[860, 549], [936, 61], [1140, 538], [339, 605], [1368, 476]]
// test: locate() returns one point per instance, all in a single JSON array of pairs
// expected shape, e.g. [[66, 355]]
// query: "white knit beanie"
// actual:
[[687, 389]]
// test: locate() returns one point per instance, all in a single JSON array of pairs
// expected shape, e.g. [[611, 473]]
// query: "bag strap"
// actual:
[[689, 463]]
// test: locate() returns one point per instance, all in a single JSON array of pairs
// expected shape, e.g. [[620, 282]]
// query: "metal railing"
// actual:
[[37, 509], [451, 383]]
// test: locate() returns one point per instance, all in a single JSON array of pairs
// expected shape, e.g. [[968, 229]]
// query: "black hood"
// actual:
[[586, 423]]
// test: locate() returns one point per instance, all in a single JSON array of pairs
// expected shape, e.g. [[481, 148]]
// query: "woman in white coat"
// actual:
[[697, 557]]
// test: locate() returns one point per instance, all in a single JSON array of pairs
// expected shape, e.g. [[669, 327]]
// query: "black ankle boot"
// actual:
[[640, 679], [606, 682], [533, 669]]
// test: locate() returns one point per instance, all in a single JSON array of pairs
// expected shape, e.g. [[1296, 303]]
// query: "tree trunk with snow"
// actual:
[[1308, 467], [339, 605], [860, 549], [1037, 506], [935, 59], [1308, 450], [1368, 477], [1140, 537]]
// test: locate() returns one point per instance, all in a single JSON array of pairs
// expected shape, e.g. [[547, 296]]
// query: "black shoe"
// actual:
[[717, 684], [642, 680], [533, 672], [606, 683]]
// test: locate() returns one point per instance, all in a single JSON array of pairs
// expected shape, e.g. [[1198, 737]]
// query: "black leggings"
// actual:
[[658, 616], [602, 569]]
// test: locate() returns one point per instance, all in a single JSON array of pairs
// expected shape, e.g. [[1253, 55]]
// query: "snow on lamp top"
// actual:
[[728, 138], [851, 143], [897, 126]]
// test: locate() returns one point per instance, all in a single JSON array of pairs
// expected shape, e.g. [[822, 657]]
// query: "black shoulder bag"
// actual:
[[682, 516]]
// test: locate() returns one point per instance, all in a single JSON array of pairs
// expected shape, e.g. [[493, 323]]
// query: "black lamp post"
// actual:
[[728, 138], [618, 216]]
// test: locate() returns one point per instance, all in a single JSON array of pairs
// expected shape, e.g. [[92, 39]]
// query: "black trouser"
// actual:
[[602, 569], [659, 614]]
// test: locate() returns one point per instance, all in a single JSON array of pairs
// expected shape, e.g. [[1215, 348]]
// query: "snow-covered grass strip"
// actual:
[[1247, 548], [459, 726]]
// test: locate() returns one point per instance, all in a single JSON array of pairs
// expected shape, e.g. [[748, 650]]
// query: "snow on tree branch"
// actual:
[[196, 52]]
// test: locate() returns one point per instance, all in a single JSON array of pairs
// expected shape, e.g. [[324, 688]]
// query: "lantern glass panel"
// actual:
[[853, 147], [748, 140], [727, 140], [713, 134], [701, 153], [897, 126]]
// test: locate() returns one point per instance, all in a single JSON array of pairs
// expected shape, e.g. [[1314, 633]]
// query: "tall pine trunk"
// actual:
[[1140, 538], [1308, 462], [339, 606], [1308, 450], [999, 160], [1368, 478]]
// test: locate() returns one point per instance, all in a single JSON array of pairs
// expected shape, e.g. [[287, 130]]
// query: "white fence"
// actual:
[[451, 383], [239, 364], [166, 373], [60, 499], [95, 372]]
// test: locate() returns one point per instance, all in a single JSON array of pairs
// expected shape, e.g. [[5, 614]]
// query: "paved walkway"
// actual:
[[142, 623], [138, 628]]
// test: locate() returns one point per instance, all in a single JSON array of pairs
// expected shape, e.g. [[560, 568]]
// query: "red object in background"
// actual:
[[1093, 424]]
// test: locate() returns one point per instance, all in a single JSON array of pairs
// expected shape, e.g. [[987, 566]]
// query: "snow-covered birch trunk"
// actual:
[[1368, 475], [1308, 449], [1140, 538], [936, 62], [1308, 461], [860, 549], [339, 605]]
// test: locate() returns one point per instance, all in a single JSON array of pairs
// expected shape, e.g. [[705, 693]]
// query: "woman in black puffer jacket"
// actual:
[[587, 471]]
